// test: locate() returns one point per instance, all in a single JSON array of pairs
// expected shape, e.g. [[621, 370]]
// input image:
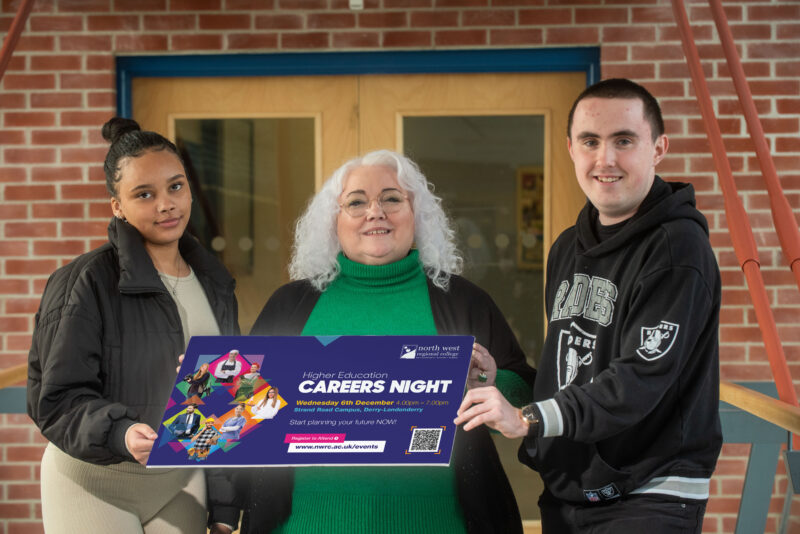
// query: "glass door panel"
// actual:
[[258, 148], [476, 164], [250, 179]]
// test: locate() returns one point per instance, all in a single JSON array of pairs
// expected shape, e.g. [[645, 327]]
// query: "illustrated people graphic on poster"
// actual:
[[269, 405], [249, 383], [231, 428], [229, 369], [198, 382], [186, 424], [203, 441]]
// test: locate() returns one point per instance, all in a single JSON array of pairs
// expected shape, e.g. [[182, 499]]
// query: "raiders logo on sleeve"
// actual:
[[657, 340]]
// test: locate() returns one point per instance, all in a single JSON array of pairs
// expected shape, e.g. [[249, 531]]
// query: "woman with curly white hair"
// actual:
[[375, 254], [317, 244]]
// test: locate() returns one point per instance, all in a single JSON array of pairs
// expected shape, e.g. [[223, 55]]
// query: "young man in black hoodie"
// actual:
[[624, 428]]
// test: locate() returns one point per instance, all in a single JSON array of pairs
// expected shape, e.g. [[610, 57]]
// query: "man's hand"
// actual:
[[487, 406], [180, 361], [139, 439], [219, 528]]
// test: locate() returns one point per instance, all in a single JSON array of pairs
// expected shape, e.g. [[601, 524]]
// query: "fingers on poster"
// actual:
[[215, 406]]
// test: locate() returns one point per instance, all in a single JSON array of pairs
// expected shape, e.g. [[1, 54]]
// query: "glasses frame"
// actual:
[[343, 205]]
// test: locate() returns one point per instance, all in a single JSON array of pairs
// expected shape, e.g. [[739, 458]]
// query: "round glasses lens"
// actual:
[[391, 202], [357, 206]]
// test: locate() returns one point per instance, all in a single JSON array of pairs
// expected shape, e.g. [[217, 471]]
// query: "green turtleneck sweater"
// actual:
[[374, 300]]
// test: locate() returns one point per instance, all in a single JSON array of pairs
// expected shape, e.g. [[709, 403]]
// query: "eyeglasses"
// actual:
[[389, 202]]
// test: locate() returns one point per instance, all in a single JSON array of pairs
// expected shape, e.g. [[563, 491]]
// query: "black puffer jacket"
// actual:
[[106, 341]]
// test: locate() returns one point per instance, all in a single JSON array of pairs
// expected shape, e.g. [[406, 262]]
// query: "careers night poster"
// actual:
[[314, 400]]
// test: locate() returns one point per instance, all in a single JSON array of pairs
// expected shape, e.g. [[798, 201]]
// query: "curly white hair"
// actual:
[[316, 244]]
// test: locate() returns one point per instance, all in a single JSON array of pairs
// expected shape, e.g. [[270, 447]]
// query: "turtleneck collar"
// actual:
[[379, 276]]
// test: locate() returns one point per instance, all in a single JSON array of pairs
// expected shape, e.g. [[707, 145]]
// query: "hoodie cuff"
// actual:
[[551, 419]]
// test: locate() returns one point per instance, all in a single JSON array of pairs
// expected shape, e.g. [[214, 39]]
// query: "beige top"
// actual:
[[197, 319]]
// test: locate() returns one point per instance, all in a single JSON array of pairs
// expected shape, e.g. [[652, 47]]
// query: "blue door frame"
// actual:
[[579, 59]]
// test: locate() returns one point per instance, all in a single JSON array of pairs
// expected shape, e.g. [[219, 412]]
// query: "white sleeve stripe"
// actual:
[[684, 487], [552, 420]]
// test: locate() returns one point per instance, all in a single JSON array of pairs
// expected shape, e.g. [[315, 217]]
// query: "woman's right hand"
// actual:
[[482, 368], [139, 440]]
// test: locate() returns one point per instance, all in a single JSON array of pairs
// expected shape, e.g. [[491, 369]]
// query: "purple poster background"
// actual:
[[325, 400]]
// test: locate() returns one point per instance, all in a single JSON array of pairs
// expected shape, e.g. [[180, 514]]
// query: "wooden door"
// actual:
[[386, 100]]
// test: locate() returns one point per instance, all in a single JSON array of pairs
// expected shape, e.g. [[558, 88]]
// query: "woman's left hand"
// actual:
[[482, 368]]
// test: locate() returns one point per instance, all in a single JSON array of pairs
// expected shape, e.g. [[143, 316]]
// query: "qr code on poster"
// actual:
[[425, 440]]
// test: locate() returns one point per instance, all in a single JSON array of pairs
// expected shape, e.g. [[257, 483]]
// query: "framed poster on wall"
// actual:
[[530, 217]]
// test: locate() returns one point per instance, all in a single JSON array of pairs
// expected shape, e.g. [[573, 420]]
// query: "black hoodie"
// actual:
[[628, 384]]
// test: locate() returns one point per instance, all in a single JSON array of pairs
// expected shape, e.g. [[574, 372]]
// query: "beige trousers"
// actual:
[[123, 498]]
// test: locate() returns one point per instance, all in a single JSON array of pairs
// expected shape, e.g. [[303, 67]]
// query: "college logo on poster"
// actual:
[[657, 340], [575, 349], [408, 352]]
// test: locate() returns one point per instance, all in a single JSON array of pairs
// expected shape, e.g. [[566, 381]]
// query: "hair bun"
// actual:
[[115, 128]]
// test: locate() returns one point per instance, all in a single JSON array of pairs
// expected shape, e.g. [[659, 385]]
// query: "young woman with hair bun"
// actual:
[[110, 326]]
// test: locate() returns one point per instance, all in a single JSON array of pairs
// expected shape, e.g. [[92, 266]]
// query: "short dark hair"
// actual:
[[128, 140], [623, 88]]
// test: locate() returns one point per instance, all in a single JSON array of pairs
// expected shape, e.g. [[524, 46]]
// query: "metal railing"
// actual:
[[767, 442], [10, 42], [738, 224]]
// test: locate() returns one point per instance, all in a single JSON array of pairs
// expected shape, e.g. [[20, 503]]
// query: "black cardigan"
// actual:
[[485, 495]]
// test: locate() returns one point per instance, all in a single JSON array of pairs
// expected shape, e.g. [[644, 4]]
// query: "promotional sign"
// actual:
[[305, 400]]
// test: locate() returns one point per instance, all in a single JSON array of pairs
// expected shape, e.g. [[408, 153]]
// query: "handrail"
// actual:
[[782, 215], [10, 42], [738, 223], [763, 406], [13, 375]]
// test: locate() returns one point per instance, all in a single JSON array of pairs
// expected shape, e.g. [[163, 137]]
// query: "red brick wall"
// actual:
[[59, 89]]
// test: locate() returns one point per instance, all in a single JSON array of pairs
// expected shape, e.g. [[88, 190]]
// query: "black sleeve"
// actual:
[[66, 381]]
